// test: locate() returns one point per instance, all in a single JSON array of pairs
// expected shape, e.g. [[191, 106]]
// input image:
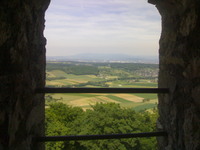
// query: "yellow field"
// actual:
[[129, 97], [57, 83], [90, 101], [86, 100]]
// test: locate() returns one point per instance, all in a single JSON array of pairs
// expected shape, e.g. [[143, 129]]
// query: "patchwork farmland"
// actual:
[[109, 75]]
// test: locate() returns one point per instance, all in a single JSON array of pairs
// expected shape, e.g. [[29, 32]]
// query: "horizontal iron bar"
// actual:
[[102, 90], [99, 137]]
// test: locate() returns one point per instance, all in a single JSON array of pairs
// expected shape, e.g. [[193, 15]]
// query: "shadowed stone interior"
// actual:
[[22, 70], [179, 71]]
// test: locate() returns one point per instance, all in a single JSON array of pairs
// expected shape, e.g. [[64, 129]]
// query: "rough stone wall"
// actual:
[[22, 70], [179, 55]]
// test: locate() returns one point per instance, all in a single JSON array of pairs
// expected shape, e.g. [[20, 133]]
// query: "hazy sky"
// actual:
[[102, 26]]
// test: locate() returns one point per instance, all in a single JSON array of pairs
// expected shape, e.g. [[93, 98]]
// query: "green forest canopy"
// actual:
[[107, 118]]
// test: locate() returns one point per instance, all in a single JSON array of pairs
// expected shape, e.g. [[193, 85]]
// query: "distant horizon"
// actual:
[[75, 54], [95, 57]]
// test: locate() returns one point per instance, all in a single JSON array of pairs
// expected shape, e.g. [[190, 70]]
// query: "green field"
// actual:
[[107, 77]]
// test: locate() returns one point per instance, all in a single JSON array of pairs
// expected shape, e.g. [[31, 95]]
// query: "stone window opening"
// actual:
[[22, 62], [58, 90]]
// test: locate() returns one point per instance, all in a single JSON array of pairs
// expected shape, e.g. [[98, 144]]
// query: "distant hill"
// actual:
[[92, 57]]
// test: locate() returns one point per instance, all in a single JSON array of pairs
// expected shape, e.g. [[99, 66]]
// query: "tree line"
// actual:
[[78, 68]]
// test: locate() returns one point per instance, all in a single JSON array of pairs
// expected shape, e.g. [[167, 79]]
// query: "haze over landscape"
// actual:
[[105, 57], [128, 27]]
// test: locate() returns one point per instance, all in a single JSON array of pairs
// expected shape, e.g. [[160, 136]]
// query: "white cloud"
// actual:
[[108, 24]]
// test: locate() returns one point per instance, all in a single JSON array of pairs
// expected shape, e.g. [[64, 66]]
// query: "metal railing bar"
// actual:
[[99, 137], [102, 90]]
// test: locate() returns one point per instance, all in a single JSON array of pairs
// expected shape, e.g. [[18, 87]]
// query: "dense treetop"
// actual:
[[107, 118]]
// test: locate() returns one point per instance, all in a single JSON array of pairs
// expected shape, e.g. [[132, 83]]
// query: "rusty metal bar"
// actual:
[[99, 137], [102, 90]]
